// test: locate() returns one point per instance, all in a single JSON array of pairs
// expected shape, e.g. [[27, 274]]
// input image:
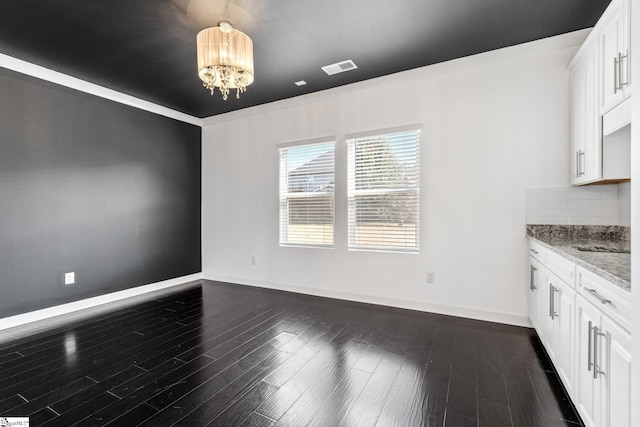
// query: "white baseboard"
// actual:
[[65, 312], [450, 310]]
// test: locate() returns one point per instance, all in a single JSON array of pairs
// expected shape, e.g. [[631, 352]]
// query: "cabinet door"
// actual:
[[577, 119], [536, 287], [586, 134], [549, 325], [611, 44], [587, 388], [616, 377], [613, 30], [565, 329]]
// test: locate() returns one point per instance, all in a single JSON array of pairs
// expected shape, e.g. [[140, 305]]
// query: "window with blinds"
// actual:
[[384, 192], [307, 184]]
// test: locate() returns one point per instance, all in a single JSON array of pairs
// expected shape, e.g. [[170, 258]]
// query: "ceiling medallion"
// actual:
[[225, 59]]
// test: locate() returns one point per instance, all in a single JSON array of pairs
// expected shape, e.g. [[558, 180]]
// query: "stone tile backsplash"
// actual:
[[586, 205]]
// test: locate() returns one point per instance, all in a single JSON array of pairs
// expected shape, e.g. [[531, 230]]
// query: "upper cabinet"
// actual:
[[586, 132], [600, 82], [615, 49]]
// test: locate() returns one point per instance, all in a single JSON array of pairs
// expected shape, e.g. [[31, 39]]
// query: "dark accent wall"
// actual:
[[95, 187]]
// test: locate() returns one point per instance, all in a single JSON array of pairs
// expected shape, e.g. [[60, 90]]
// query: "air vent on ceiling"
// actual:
[[339, 67]]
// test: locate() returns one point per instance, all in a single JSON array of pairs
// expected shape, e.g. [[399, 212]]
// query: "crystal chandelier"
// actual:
[[225, 59]]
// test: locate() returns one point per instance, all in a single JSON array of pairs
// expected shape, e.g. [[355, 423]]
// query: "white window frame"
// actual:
[[352, 192], [284, 196]]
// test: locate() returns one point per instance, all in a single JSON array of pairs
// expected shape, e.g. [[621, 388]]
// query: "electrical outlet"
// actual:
[[69, 278], [431, 277], [253, 260]]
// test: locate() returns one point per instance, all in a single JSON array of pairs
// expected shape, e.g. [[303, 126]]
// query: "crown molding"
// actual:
[[49, 75]]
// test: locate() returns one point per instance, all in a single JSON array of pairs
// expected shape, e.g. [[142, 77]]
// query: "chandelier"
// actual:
[[225, 59]]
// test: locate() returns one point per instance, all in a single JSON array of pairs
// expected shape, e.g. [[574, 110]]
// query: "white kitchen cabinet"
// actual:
[[560, 331], [586, 127], [537, 283], [600, 81], [613, 30], [603, 389], [616, 376], [583, 322], [552, 308], [587, 390], [611, 300]]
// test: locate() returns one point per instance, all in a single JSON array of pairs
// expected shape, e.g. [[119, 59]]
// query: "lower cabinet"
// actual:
[[560, 331], [603, 380], [537, 285], [588, 385], [579, 323], [616, 376]]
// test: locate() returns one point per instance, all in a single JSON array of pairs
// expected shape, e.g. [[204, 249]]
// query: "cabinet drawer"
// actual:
[[612, 300], [537, 251], [562, 267]]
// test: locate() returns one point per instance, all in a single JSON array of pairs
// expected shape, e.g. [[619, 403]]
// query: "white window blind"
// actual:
[[307, 183], [384, 192]]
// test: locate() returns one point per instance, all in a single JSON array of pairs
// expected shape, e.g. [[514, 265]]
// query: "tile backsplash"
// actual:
[[586, 205], [624, 204]]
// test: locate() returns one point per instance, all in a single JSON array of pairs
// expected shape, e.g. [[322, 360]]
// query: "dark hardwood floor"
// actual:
[[230, 355]]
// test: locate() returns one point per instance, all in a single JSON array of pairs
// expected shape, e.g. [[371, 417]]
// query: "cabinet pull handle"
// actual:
[[620, 58], [532, 286], [582, 163], [596, 337], [616, 70], [589, 348], [552, 298], [534, 251], [595, 352], [579, 163], [628, 81], [598, 297]]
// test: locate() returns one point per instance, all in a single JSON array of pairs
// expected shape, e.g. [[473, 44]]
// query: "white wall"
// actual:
[[494, 126]]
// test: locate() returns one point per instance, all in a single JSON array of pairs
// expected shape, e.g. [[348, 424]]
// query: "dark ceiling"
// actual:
[[146, 48]]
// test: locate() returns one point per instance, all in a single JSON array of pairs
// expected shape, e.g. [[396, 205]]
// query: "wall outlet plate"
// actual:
[[431, 277], [69, 278]]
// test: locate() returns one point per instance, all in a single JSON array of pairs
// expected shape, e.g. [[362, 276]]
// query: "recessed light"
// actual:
[[300, 83]]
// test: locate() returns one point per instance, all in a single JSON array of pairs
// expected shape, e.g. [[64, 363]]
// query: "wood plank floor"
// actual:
[[230, 355]]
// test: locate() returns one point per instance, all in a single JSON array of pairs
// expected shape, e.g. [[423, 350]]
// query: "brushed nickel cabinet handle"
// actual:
[[596, 337], [622, 57], [552, 303], [628, 81], [598, 297], [578, 164], [616, 70], [532, 285], [589, 348]]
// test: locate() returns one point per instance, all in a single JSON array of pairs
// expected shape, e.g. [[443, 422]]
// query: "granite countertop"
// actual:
[[604, 250]]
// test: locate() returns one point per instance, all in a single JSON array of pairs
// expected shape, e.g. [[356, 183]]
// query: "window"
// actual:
[[307, 184], [384, 191]]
